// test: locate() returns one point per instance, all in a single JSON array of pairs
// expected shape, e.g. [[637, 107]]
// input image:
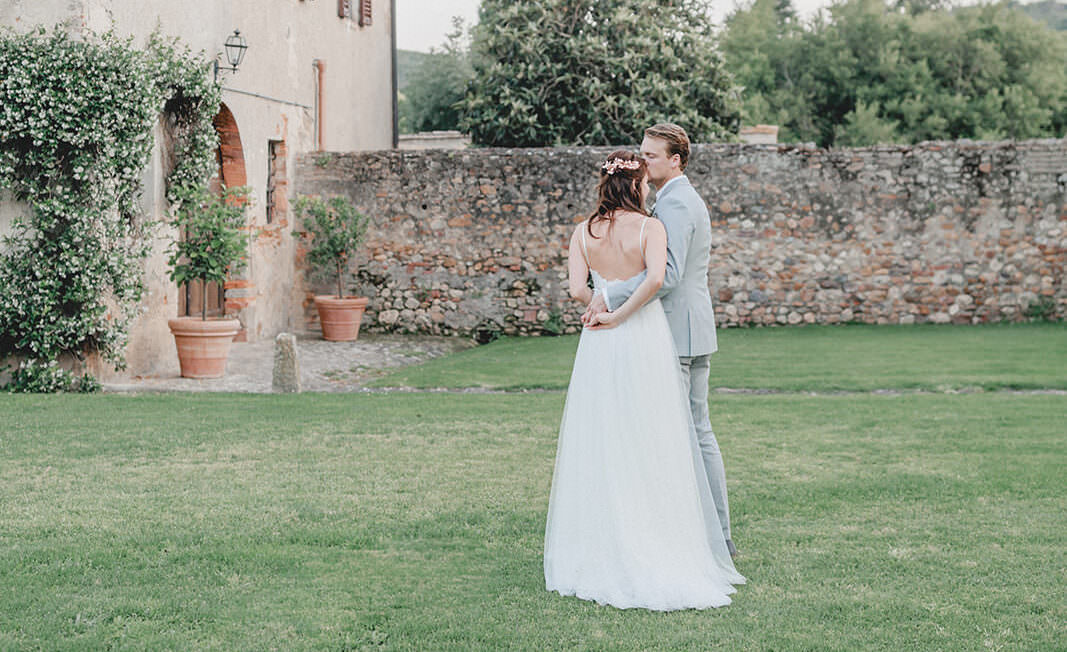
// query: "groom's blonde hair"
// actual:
[[675, 137]]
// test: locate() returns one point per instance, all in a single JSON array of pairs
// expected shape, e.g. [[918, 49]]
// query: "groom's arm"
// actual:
[[675, 218]]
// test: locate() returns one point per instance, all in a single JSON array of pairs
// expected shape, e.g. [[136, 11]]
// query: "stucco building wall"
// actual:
[[274, 96]]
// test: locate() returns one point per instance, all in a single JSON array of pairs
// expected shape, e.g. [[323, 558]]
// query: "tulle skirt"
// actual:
[[631, 520]]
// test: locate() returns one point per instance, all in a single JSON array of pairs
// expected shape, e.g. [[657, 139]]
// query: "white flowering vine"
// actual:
[[76, 123]]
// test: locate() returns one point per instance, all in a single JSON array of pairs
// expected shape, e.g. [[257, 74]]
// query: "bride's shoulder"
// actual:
[[579, 231], [630, 217], [654, 226]]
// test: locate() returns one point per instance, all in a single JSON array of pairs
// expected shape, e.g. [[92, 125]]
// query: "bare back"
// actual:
[[618, 250]]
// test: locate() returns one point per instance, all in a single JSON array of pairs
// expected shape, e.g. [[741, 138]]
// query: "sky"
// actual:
[[422, 24]]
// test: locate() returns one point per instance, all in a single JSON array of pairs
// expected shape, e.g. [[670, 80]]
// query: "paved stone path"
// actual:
[[324, 366]]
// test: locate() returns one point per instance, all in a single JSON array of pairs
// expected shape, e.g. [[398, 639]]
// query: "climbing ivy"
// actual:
[[77, 115]]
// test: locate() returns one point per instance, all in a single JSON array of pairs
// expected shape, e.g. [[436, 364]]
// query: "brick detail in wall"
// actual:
[[937, 232], [238, 292], [231, 151]]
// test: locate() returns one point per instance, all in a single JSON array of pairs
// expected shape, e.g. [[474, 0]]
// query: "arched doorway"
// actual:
[[230, 155], [231, 173]]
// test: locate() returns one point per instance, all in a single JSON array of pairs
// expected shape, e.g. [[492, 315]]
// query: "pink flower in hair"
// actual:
[[611, 165]]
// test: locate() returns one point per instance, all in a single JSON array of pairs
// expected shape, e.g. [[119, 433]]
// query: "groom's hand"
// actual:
[[596, 306]]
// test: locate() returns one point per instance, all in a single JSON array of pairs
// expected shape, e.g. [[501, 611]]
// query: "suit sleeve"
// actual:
[[616, 294], [679, 227]]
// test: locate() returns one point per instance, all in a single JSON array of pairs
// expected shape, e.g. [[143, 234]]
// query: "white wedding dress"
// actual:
[[631, 520]]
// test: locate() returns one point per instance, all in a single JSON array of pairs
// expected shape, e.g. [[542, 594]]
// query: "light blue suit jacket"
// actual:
[[685, 295]]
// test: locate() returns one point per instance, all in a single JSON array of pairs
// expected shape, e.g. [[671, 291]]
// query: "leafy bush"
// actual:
[[1043, 309], [34, 376], [553, 324]]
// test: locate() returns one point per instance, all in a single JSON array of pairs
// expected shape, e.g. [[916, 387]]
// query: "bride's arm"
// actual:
[[578, 270], [655, 266]]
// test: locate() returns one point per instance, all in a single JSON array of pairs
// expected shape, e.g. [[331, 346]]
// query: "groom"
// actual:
[[684, 294]]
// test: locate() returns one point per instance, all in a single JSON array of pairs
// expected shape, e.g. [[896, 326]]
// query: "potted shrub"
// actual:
[[213, 242], [335, 229]]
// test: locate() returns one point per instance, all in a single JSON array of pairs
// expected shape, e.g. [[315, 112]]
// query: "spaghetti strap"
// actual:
[[641, 235], [585, 251]]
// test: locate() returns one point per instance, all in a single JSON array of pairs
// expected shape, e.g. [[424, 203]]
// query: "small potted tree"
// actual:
[[335, 229], [213, 242]]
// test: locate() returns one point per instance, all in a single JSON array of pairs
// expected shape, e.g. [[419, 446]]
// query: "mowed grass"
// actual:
[[807, 358], [415, 522]]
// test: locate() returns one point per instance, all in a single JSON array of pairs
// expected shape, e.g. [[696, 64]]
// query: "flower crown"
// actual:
[[611, 165]]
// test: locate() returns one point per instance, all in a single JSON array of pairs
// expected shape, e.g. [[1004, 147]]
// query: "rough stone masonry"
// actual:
[[474, 241], [286, 376]]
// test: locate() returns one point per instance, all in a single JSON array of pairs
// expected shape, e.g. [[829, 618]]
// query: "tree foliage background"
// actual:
[[564, 72], [435, 86], [1053, 12], [554, 72], [867, 72]]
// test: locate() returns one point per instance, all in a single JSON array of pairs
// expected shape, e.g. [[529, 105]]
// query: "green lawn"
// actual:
[[810, 358], [415, 522]]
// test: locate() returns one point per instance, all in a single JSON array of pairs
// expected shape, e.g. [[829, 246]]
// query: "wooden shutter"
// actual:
[[364, 13], [344, 8]]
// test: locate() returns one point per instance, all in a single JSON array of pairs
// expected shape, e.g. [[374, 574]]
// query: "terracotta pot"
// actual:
[[340, 318], [203, 346]]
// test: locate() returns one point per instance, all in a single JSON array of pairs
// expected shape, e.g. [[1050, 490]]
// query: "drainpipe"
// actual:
[[396, 112], [320, 67]]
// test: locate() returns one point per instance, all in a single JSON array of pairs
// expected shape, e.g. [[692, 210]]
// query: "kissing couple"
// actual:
[[638, 513]]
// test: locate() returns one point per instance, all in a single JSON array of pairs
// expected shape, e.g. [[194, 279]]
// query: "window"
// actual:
[[344, 10]]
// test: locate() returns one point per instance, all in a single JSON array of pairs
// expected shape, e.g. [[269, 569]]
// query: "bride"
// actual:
[[631, 520]]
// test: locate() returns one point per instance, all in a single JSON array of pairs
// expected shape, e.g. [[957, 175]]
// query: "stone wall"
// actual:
[[959, 232]]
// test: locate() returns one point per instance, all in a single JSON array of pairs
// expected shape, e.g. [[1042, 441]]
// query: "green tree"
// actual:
[[335, 229], [433, 92], [855, 55], [550, 72], [212, 240], [916, 7], [867, 71], [1052, 12], [757, 45], [862, 126], [994, 72]]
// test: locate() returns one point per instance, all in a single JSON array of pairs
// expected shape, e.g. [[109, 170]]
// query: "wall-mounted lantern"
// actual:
[[235, 47]]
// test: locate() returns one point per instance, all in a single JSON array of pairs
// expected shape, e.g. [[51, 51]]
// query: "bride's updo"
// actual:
[[620, 186]]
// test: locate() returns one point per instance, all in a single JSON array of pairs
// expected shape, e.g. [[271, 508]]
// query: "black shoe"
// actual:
[[730, 546]]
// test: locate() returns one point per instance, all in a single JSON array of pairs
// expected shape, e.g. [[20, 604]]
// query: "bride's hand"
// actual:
[[604, 320], [597, 305]]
